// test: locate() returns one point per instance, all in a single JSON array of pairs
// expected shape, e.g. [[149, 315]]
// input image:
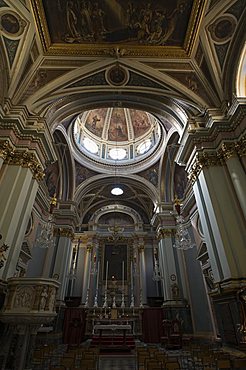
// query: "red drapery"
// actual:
[[152, 325], [74, 326]]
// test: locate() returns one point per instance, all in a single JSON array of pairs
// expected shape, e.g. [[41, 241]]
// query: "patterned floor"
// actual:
[[117, 363]]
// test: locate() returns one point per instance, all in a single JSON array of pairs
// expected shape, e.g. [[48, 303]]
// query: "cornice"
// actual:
[[26, 131], [214, 131]]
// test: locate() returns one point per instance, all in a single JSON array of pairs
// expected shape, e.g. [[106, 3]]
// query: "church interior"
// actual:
[[122, 184]]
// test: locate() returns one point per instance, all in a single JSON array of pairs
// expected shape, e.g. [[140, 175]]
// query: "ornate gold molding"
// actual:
[[5, 149], [64, 232], [164, 233], [241, 146], [24, 159], [89, 248], [140, 248]]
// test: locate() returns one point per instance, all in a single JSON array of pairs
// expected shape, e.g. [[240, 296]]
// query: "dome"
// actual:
[[116, 134]]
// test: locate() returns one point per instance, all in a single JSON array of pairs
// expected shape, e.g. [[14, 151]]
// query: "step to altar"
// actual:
[[113, 343]]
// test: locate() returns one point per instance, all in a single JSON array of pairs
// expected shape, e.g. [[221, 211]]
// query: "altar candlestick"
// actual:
[[106, 283], [122, 276], [98, 269], [131, 276]]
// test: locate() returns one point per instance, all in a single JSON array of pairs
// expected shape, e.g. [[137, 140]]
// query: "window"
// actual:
[[90, 145], [117, 153]]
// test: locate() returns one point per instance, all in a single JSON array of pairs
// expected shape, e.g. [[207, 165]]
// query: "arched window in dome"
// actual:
[[144, 147], [90, 145], [117, 153]]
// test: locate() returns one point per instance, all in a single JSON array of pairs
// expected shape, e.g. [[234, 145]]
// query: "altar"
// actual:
[[112, 330]]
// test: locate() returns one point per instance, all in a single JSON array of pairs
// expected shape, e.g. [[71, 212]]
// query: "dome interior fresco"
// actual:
[[118, 124], [115, 133]]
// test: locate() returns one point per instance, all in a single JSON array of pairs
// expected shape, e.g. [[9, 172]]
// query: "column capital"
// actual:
[[25, 159], [163, 233], [5, 149], [141, 247], [218, 157], [64, 232]]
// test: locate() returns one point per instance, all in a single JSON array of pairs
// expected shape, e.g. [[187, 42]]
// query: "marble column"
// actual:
[[63, 259], [18, 187], [171, 288], [231, 153], [220, 212], [86, 277], [142, 275]]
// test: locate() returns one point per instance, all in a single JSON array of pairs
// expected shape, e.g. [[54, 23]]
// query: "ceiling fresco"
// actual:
[[117, 21]]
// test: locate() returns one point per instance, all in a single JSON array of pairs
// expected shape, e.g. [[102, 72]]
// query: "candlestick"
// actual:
[[122, 276], [131, 276], [106, 283], [98, 270]]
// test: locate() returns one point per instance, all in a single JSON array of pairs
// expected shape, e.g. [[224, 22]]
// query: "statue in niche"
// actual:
[[175, 291]]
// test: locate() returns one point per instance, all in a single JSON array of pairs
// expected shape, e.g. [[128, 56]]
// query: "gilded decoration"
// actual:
[[217, 158], [164, 233], [27, 160], [89, 248], [11, 24], [64, 232], [5, 149], [90, 28]]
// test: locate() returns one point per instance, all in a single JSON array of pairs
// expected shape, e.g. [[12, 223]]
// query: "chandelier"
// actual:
[[182, 237]]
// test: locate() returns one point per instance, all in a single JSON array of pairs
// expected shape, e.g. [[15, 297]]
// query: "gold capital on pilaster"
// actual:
[[140, 248], [164, 233], [228, 150], [5, 149], [25, 159], [241, 146], [205, 160], [64, 232], [89, 248]]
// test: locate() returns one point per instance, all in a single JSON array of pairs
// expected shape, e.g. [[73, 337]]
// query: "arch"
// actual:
[[66, 165], [4, 74], [241, 75]]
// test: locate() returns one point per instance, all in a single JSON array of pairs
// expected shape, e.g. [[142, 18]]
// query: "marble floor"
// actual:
[[117, 363]]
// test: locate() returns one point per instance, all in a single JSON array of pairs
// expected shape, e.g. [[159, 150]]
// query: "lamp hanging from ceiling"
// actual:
[[182, 237]]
